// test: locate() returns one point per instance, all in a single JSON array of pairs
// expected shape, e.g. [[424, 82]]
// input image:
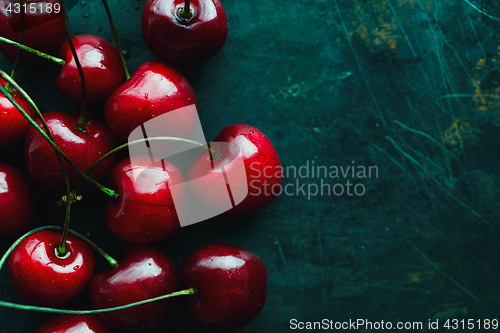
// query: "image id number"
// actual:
[[32, 8]]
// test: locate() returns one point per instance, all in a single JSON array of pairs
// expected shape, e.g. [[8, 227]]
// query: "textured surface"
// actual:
[[408, 86]]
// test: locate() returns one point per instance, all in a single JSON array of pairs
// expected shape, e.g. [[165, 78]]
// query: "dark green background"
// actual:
[[326, 81]]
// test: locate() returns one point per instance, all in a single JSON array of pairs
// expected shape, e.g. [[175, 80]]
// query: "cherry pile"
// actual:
[[221, 285]]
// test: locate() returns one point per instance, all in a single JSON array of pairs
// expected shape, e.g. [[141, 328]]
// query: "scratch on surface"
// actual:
[[452, 280], [437, 182], [482, 11], [359, 65], [475, 34], [428, 137], [277, 243], [412, 49]]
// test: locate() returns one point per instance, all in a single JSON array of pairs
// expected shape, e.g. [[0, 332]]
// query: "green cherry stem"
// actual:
[[96, 248], [131, 143], [117, 40], [185, 13], [45, 135], [81, 122], [18, 55], [190, 291], [29, 49], [61, 250]]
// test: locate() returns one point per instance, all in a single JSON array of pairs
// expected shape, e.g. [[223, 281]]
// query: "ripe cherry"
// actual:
[[12, 123], [82, 148], [231, 285], [154, 89], [16, 201], [145, 211], [262, 171], [143, 273], [44, 28], [42, 277], [178, 40], [73, 324], [101, 66]]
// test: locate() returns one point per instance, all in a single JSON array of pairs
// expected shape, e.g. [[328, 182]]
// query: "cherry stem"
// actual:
[[29, 49], [61, 250], [96, 248], [18, 55], [131, 143], [185, 13], [190, 291], [117, 40], [81, 122], [4, 75]]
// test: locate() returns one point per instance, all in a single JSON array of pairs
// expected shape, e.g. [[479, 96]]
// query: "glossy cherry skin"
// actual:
[[178, 42], [231, 285], [101, 67], [41, 277], [16, 201], [12, 123], [73, 324], [143, 273], [82, 148], [154, 89], [43, 31], [262, 170], [144, 211]]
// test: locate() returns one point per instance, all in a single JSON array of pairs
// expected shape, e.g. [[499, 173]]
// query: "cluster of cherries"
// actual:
[[225, 284]]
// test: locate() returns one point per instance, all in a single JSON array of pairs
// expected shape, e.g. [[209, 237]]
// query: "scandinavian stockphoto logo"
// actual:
[[215, 182], [46, 10]]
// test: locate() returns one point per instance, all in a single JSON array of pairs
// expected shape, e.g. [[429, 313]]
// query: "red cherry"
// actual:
[[73, 324], [154, 89], [43, 278], [231, 285], [82, 148], [12, 123], [143, 273], [145, 212], [262, 168], [101, 66], [16, 202], [44, 30], [178, 41]]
